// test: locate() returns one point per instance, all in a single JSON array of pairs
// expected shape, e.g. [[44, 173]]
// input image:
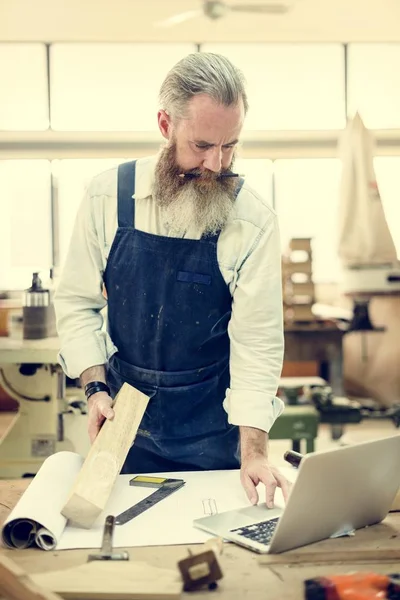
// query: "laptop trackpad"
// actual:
[[253, 514], [233, 519]]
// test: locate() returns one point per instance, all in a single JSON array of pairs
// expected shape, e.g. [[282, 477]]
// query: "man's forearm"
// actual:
[[253, 442], [96, 373]]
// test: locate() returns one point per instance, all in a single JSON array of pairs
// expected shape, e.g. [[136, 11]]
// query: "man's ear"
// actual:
[[164, 124]]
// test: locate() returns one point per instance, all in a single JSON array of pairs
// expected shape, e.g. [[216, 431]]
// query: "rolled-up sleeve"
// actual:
[[79, 299], [256, 335]]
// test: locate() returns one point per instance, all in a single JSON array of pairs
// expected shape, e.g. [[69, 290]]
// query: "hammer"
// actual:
[[294, 458], [106, 547]]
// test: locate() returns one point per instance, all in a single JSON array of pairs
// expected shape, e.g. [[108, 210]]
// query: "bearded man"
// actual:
[[186, 255]]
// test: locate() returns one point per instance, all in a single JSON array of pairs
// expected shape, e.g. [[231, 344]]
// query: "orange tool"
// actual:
[[354, 586]]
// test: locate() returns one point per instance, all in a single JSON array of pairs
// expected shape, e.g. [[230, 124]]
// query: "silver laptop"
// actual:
[[335, 492]]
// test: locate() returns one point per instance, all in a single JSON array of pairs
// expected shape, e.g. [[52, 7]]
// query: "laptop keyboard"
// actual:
[[259, 532]]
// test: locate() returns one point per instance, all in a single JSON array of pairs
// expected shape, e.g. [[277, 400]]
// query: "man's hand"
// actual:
[[100, 408], [257, 470]]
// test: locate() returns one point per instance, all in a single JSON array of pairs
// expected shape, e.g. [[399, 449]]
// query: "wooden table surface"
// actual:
[[246, 574]]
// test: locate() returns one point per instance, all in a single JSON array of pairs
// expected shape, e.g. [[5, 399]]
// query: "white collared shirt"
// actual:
[[249, 257]]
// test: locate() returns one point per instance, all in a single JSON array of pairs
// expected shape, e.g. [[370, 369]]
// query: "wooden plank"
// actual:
[[113, 580], [7, 422], [104, 461], [300, 368], [300, 244], [359, 556], [396, 503], [15, 584]]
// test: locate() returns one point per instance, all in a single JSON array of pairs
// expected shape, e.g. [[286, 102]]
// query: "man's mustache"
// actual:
[[225, 174]]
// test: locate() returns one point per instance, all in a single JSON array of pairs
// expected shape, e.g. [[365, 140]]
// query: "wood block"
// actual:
[[15, 584], [300, 369], [299, 312], [396, 503], [303, 289], [300, 244], [113, 580], [104, 461], [291, 268], [7, 422]]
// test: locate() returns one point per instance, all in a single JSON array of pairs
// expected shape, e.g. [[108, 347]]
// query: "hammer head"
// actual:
[[113, 556]]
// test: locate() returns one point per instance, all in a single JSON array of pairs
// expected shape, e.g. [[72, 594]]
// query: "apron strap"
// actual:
[[214, 238], [126, 191]]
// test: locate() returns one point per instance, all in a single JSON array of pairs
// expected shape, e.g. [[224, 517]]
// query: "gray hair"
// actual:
[[202, 73]]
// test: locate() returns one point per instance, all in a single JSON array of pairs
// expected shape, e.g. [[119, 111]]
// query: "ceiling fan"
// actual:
[[216, 9]]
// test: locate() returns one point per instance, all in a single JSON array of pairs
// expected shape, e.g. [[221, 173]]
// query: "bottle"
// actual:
[[38, 311], [37, 295]]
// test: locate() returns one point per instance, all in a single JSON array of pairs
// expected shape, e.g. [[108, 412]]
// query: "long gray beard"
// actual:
[[192, 211], [203, 206]]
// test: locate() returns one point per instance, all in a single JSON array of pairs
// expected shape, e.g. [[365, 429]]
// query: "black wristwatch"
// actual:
[[96, 386]]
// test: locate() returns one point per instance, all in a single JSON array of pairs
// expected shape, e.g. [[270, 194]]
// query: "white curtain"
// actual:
[[364, 236]]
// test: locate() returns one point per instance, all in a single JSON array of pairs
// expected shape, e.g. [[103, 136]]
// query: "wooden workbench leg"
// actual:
[[336, 374]]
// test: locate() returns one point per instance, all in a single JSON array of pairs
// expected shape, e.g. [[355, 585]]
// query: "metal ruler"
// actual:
[[166, 487]]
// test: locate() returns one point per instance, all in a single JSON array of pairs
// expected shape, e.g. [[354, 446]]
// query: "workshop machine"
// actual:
[[49, 418], [366, 248], [338, 411]]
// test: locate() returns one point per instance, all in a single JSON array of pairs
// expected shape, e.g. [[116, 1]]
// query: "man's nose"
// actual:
[[213, 160]]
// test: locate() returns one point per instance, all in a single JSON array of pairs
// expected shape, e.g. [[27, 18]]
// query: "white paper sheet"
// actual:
[[168, 522], [37, 519]]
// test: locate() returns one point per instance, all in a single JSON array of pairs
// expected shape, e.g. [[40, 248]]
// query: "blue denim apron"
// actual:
[[168, 312]]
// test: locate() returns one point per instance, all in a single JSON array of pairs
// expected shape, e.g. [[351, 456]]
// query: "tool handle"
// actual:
[[292, 457], [108, 532]]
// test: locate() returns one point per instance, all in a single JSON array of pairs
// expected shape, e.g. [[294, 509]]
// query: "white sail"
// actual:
[[364, 236]]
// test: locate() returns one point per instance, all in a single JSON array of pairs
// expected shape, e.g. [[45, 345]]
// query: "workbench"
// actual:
[[319, 342], [246, 575], [18, 350]]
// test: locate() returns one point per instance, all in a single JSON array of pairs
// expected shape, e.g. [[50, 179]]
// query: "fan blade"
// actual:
[[275, 9], [181, 18]]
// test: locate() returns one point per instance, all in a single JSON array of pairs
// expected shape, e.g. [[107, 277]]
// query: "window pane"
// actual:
[[258, 174], [73, 176], [25, 224], [107, 87], [306, 200], [23, 98], [290, 86], [387, 175], [374, 84]]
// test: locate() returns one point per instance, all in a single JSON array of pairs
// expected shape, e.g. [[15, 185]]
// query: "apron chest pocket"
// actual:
[[190, 277]]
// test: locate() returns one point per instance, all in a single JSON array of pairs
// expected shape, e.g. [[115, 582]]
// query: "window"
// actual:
[[24, 97], [73, 176], [306, 200], [374, 84], [105, 87], [25, 224], [387, 171], [290, 86], [258, 174]]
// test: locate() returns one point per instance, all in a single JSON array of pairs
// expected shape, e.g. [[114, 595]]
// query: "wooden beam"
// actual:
[[96, 479], [113, 580], [15, 584], [355, 556]]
